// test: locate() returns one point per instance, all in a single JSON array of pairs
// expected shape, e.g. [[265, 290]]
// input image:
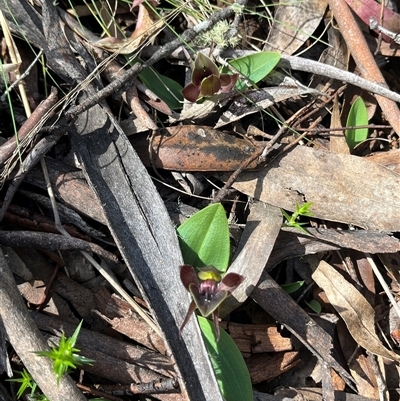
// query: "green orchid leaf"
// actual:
[[230, 369], [255, 67], [204, 238], [314, 305], [290, 288], [165, 88], [357, 116]]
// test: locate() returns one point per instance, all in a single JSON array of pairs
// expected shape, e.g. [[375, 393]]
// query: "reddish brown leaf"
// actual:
[[194, 148]]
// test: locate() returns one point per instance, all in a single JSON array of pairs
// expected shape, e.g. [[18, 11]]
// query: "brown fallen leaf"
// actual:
[[354, 309], [343, 188], [275, 301], [389, 159], [337, 142], [257, 338], [362, 371], [194, 148]]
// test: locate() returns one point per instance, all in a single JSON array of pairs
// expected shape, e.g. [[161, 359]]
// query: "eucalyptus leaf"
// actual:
[[204, 238], [357, 116], [255, 66], [230, 369]]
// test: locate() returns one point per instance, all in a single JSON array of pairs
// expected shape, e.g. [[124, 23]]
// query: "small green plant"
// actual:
[[65, 355], [204, 240], [304, 210], [314, 305], [26, 382], [357, 116], [290, 288]]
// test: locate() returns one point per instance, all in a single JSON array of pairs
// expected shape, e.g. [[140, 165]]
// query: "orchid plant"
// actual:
[[207, 80], [204, 241], [208, 289]]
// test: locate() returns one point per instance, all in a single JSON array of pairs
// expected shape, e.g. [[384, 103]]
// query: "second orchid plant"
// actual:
[[204, 240], [205, 246]]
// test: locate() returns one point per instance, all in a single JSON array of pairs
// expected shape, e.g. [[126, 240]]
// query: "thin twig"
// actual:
[[36, 154], [223, 191], [369, 126], [315, 67]]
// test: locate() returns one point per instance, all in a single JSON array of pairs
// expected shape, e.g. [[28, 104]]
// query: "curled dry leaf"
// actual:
[[354, 309], [260, 99]]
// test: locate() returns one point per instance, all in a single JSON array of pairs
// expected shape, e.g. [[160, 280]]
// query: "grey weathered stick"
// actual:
[[25, 338], [314, 67], [146, 239], [258, 239]]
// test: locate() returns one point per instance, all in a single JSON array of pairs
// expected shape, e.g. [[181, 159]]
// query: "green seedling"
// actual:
[[204, 238], [290, 288], [314, 305], [358, 116], [204, 241], [304, 210], [65, 356], [26, 382]]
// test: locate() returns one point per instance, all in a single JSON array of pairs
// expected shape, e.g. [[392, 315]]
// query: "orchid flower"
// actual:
[[207, 80], [208, 289]]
